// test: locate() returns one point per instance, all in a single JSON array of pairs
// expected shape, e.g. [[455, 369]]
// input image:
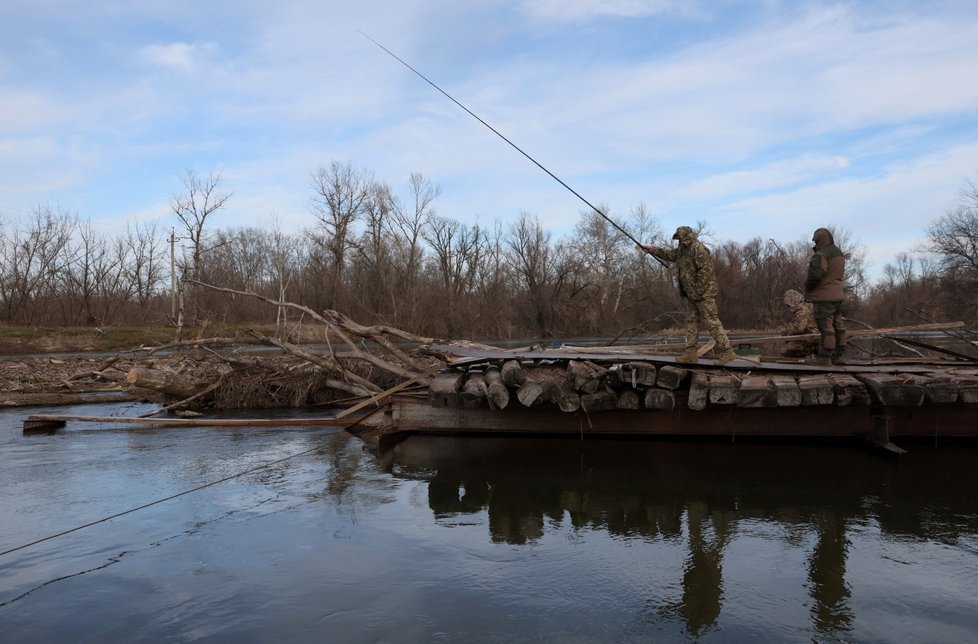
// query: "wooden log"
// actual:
[[756, 391], [787, 393], [443, 390], [497, 393], [723, 389], [512, 374], [638, 374], [669, 377], [848, 390], [629, 399], [583, 377], [656, 398], [892, 390], [599, 401], [530, 393], [474, 393], [168, 382], [816, 390], [699, 391]]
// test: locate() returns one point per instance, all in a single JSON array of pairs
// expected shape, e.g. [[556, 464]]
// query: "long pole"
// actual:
[[514, 146]]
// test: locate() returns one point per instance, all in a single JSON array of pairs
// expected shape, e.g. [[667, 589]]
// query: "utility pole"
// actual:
[[176, 290]]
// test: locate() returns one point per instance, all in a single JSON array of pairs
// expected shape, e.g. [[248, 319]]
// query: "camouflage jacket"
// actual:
[[694, 265]]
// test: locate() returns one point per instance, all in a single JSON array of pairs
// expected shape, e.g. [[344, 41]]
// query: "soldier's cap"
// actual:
[[683, 231]]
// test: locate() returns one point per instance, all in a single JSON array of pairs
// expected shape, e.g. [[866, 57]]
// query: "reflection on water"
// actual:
[[309, 536], [700, 494]]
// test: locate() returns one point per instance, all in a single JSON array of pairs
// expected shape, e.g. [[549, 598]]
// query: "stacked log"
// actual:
[[573, 385]]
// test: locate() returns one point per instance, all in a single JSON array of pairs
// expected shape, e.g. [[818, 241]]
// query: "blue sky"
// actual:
[[762, 118]]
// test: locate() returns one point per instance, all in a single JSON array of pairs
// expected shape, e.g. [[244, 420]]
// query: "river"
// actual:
[[119, 533]]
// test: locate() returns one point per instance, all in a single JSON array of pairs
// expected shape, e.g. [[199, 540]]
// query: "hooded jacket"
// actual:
[[826, 270], [694, 265]]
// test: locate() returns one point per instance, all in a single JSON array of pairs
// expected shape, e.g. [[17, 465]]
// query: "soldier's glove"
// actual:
[[641, 248]]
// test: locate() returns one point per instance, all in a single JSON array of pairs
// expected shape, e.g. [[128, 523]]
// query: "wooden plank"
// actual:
[[443, 390], [638, 374], [816, 390], [756, 391], [893, 390], [699, 391], [848, 390], [40, 420], [787, 393], [723, 389], [669, 377]]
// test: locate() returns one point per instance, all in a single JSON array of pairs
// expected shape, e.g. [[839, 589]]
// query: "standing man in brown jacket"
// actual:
[[823, 288]]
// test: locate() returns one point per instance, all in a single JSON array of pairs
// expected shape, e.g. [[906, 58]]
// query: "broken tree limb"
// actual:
[[167, 382]]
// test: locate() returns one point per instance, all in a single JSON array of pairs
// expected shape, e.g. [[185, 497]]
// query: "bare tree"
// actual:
[[341, 194], [953, 237], [35, 259]]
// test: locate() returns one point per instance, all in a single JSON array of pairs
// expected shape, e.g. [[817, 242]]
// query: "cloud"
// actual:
[[576, 10], [177, 56]]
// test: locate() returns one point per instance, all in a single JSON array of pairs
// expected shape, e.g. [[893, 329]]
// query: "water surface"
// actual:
[[477, 539]]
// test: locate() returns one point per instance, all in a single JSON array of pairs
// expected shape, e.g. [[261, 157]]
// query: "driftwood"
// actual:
[[168, 382]]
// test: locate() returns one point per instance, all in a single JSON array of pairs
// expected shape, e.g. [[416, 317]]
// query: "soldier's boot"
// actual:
[[839, 356], [690, 356], [726, 357], [823, 358]]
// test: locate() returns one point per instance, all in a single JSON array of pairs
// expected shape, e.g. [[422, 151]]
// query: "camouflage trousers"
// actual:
[[703, 313], [828, 319]]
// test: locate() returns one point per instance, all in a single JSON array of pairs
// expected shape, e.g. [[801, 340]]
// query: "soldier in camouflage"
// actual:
[[802, 323], [698, 288]]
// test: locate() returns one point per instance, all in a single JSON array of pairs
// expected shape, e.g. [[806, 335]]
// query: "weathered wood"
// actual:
[[787, 393], [848, 390], [656, 398], [497, 392], [638, 374], [583, 376], [893, 390], [474, 392], [629, 399], [512, 374], [756, 391], [669, 377], [46, 423], [939, 389], [967, 386], [723, 389], [816, 390], [168, 382], [599, 401], [444, 388], [530, 393], [699, 391]]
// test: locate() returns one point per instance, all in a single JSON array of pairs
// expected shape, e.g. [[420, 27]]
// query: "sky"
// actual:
[[761, 118]]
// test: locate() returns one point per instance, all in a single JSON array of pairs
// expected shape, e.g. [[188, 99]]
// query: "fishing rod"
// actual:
[[514, 146]]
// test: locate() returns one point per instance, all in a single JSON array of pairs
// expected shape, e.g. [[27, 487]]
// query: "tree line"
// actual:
[[386, 256]]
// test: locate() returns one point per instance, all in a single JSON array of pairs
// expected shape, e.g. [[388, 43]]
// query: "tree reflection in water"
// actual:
[[700, 494]]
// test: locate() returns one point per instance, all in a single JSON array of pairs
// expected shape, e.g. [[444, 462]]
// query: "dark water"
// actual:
[[478, 539]]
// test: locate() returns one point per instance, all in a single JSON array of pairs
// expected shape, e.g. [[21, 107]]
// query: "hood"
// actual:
[[685, 235], [793, 298], [822, 237]]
